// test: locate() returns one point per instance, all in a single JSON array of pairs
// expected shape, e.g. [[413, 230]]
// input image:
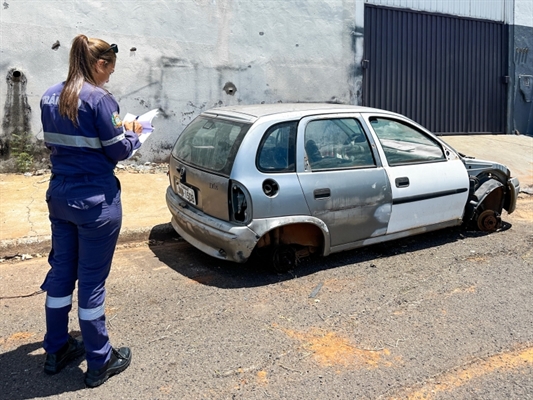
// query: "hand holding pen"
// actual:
[[134, 127]]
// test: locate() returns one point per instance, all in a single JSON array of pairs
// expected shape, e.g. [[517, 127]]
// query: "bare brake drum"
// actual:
[[489, 221]]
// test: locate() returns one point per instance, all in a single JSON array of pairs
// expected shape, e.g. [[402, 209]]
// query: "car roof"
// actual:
[[252, 112]]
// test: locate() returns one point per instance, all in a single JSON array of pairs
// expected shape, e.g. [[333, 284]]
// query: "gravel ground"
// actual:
[[446, 315]]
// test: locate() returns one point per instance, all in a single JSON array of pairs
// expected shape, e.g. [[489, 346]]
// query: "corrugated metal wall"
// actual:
[[446, 73], [494, 10]]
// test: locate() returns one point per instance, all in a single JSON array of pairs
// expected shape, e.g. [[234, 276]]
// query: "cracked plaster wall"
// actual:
[[186, 56]]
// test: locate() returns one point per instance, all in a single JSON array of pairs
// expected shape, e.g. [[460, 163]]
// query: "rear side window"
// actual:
[[337, 143], [403, 144], [276, 151], [210, 143]]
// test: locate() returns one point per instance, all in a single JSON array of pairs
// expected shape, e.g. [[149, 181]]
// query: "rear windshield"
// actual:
[[210, 143]]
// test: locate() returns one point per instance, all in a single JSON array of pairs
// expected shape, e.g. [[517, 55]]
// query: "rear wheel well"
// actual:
[[286, 245]]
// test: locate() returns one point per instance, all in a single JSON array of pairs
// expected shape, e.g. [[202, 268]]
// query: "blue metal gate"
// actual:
[[445, 72]]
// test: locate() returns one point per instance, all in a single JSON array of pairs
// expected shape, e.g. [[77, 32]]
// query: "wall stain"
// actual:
[[17, 111], [521, 54], [226, 68], [356, 69], [174, 62], [188, 116]]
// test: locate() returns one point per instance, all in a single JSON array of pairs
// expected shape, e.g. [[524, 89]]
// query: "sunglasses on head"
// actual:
[[113, 47]]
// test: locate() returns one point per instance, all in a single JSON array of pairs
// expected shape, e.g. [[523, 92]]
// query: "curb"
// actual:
[[41, 244]]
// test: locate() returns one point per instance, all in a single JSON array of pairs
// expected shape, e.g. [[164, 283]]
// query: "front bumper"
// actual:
[[215, 237], [514, 188]]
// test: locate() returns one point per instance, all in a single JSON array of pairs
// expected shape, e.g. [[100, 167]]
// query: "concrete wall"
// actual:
[[186, 56], [183, 56], [523, 13]]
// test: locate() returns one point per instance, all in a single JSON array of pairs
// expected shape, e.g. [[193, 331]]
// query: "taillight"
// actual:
[[239, 203]]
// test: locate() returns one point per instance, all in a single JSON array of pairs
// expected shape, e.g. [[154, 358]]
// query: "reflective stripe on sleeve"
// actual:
[[113, 140], [90, 314], [58, 302], [72, 141]]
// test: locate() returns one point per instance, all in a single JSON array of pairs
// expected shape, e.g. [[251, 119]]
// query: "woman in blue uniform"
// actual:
[[83, 130]]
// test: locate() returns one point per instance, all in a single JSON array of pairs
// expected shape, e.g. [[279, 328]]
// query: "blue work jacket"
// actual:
[[96, 144]]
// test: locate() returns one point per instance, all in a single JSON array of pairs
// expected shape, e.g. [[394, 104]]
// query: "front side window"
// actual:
[[337, 143], [277, 148], [210, 143], [403, 144]]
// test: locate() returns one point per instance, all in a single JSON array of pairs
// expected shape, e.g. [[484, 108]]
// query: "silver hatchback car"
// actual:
[[291, 180]]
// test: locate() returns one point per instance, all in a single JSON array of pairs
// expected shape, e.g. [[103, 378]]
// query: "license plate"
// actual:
[[186, 192]]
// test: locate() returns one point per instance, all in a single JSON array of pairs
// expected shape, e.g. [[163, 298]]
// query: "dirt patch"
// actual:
[[476, 259], [524, 209], [330, 349], [17, 339], [461, 376], [470, 289], [262, 378]]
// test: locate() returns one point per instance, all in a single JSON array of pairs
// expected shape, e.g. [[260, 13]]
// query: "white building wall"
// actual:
[[524, 13], [185, 53]]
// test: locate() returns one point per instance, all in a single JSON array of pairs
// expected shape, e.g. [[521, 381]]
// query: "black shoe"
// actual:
[[119, 361], [70, 351]]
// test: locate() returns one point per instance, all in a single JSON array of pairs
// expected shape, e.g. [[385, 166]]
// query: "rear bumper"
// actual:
[[215, 237]]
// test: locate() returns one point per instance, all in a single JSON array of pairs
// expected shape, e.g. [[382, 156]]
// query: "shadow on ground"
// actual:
[[22, 375], [194, 264]]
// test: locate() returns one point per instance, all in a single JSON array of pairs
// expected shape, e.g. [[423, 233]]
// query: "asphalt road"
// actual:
[[447, 315]]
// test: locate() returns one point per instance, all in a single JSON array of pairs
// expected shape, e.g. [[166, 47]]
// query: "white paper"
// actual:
[[145, 120]]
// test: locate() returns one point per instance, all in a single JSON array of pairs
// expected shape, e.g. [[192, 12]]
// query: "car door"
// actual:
[[343, 181], [429, 184]]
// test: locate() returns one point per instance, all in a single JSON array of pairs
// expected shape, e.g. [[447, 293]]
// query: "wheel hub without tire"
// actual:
[[489, 221], [284, 258]]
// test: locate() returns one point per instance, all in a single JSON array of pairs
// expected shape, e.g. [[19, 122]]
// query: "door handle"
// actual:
[[322, 193], [402, 182]]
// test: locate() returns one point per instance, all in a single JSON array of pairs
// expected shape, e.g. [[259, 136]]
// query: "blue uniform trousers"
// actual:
[[86, 216]]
